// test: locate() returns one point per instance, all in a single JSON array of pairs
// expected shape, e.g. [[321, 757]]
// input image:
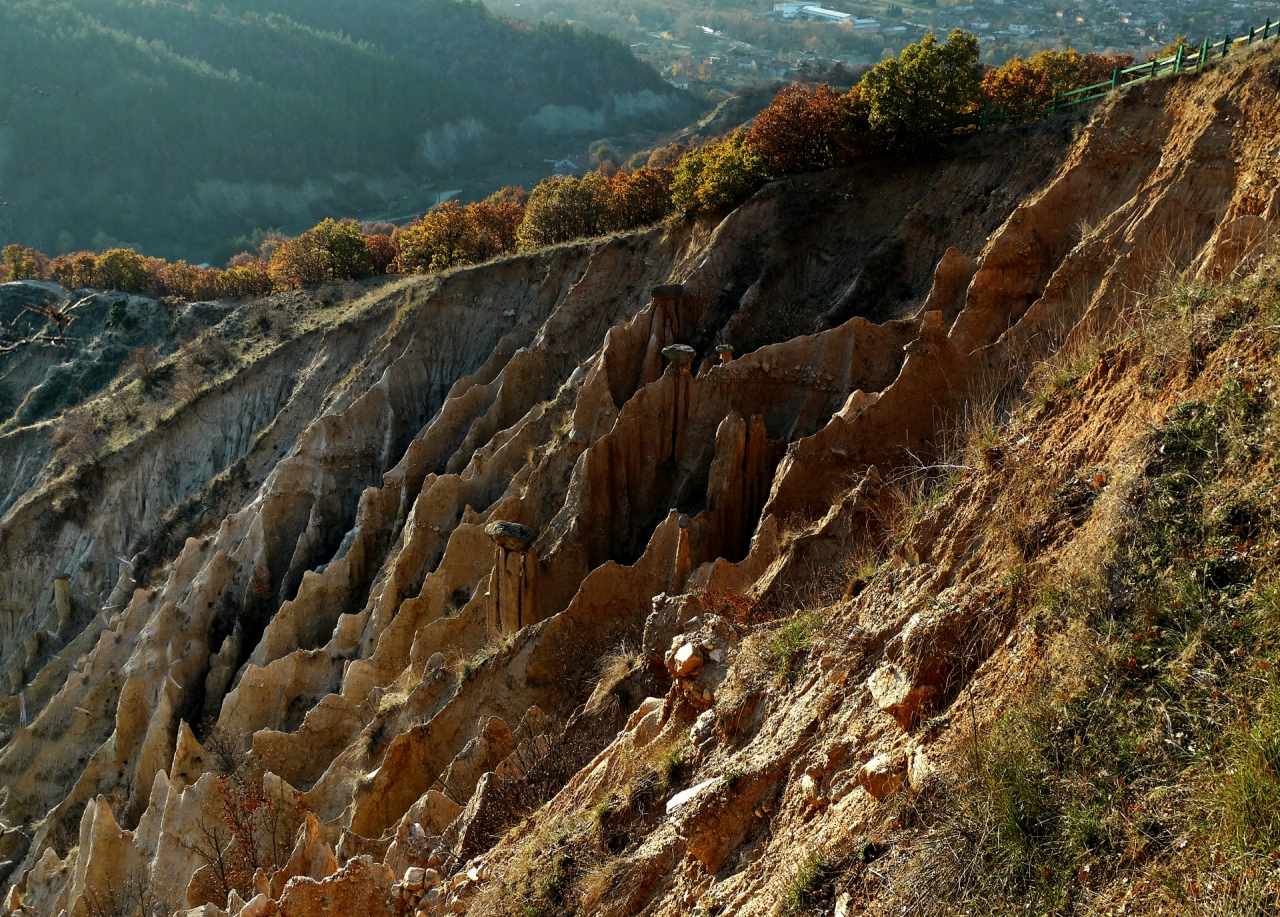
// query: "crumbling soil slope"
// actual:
[[581, 582]]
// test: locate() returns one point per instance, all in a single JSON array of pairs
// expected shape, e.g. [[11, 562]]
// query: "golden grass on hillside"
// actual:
[[1142, 773]]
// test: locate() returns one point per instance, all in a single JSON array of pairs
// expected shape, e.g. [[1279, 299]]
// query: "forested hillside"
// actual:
[[179, 127]]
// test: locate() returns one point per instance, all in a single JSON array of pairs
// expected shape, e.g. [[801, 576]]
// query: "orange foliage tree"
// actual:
[[1038, 78], [805, 129], [666, 157], [498, 219], [564, 208], [442, 237], [74, 271], [330, 250], [638, 198], [450, 234], [382, 251]]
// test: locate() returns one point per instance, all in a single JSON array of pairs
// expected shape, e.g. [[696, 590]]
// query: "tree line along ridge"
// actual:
[[906, 105]]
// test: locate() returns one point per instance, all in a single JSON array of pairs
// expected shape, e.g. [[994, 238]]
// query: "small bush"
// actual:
[[144, 365], [78, 440], [209, 351], [669, 766]]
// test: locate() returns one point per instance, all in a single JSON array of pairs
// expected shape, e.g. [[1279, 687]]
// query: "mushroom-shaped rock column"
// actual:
[[680, 355], [511, 590], [725, 351]]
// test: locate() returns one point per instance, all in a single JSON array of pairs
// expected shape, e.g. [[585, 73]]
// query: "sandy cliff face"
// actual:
[[397, 679]]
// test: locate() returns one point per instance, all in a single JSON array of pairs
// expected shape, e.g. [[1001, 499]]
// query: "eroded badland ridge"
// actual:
[[752, 622]]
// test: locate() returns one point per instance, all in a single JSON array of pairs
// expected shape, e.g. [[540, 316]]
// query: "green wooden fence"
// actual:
[[1187, 58]]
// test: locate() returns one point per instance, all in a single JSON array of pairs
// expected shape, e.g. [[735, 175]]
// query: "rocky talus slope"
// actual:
[[602, 539]]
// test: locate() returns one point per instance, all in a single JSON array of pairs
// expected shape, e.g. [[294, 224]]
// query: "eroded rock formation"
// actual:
[[473, 488]]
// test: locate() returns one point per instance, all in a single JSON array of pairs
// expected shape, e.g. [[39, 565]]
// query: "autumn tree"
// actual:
[[1039, 78], [805, 129], [177, 278], [299, 262], [347, 249], [188, 281], [21, 262], [125, 270], [442, 237], [498, 218], [254, 827], [75, 271], [382, 251], [208, 283], [718, 176], [1172, 48], [914, 99], [247, 278], [511, 194], [638, 198], [665, 157], [1097, 68], [564, 208], [330, 250]]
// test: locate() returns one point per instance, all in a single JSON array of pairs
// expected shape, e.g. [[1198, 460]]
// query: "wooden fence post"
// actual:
[[1226, 44], [1115, 77], [1204, 54], [1177, 60]]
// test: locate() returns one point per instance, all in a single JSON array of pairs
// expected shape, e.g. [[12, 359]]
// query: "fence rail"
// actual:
[[1186, 58]]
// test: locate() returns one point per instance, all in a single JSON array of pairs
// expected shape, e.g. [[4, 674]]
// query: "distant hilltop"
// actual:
[[175, 128]]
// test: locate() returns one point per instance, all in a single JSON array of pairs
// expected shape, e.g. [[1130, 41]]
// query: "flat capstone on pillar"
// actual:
[[681, 355]]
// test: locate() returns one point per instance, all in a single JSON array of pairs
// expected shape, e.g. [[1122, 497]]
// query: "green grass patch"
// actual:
[[785, 653], [807, 885]]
